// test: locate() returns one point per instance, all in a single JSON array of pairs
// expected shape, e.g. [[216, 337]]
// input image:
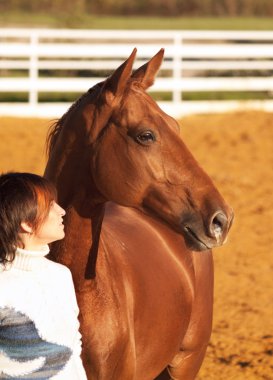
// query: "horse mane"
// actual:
[[57, 126]]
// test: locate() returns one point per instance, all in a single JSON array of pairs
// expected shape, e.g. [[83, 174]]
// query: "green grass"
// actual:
[[215, 95], [70, 97], [15, 19], [227, 95]]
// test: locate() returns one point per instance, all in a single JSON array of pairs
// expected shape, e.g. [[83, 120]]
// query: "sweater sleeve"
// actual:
[[77, 345], [23, 351]]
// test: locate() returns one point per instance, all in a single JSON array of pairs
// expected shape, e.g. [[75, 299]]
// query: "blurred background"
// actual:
[[91, 13], [216, 79]]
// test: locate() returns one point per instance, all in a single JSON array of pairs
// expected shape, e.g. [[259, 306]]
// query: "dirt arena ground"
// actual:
[[237, 151]]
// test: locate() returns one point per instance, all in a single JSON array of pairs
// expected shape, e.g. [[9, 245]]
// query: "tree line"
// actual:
[[179, 8]]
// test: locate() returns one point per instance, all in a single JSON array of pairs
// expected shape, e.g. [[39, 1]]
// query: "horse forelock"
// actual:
[[57, 126]]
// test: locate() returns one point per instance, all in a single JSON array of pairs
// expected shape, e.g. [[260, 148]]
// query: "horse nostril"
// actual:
[[218, 225]]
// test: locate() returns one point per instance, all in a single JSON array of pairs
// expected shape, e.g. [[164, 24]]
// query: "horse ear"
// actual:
[[117, 81], [112, 89], [146, 74]]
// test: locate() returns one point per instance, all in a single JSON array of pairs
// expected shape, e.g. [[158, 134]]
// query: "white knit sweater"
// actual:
[[39, 328]]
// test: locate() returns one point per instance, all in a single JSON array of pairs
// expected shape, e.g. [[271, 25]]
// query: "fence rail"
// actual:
[[37, 61]]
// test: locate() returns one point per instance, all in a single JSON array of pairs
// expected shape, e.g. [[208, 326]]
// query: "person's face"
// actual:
[[52, 228]]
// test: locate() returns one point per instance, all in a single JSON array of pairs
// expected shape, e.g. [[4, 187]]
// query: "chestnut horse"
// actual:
[[141, 218]]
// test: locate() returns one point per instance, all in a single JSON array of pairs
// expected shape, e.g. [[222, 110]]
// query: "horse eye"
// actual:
[[145, 137]]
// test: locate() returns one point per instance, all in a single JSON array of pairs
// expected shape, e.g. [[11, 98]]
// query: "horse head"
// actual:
[[138, 159]]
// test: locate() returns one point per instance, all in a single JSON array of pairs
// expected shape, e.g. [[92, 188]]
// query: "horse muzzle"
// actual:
[[203, 235]]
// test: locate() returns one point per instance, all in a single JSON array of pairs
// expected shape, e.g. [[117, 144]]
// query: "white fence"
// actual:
[[195, 61]]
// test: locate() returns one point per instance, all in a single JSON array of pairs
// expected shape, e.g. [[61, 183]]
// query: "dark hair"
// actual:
[[24, 197]]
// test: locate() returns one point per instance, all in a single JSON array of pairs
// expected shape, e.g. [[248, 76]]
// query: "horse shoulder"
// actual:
[[153, 254], [146, 244], [153, 263]]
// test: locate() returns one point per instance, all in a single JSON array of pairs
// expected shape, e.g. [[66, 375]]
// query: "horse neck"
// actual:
[[68, 169], [81, 245]]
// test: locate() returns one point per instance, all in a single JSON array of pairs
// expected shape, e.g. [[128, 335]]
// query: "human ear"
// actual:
[[25, 227]]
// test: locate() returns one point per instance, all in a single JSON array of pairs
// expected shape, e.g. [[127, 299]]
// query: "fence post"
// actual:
[[33, 69], [177, 66]]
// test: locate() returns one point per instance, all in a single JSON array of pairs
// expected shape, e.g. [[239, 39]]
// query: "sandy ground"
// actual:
[[237, 151]]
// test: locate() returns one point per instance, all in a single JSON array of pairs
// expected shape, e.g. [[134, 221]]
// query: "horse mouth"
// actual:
[[193, 241]]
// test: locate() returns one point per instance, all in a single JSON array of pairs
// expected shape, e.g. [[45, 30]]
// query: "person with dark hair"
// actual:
[[39, 327]]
